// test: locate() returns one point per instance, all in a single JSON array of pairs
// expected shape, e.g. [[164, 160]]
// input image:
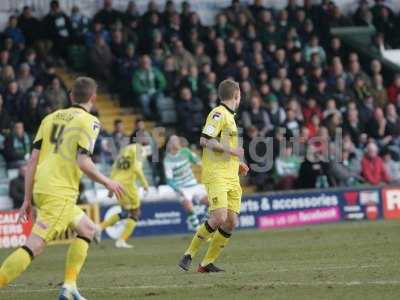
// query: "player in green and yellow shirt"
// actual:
[[126, 170], [220, 174], [62, 149]]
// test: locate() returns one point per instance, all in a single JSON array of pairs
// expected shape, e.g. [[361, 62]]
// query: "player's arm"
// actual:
[[211, 131], [138, 169], [169, 177], [87, 138], [89, 168], [28, 184]]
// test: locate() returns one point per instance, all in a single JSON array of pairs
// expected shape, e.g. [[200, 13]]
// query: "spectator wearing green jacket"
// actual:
[[287, 167], [148, 83]]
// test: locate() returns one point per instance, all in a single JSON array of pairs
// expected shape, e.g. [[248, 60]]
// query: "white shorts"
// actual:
[[196, 192]]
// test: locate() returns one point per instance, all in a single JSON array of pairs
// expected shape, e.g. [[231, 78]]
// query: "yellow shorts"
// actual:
[[55, 215], [224, 195], [130, 199]]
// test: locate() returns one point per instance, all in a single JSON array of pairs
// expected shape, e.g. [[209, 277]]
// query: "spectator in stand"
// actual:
[[314, 171], [17, 187], [25, 79], [314, 125], [101, 60], [79, 25], [377, 128], [33, 114], [14, 32], [118, 46], [55, 95], [57, 28], [393, 123], [126, 65], [118, 136], [286, 168], [392, 166], [31, 27], [276, 113], [354, 127], [182, 58], [190, 115], [5, 119], [345, 171], [314, 47], [373, 168], [378, 91], [291, 123], [107, 15], [393, 91], [7, 75], [17, 146], [13, 100], [256, 116], [148, 84]]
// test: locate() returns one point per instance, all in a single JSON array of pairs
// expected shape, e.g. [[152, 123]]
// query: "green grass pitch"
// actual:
[[355, 260]]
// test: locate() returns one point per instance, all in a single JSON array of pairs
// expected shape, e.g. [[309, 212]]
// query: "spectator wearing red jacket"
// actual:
[[393, 90], [372, 166]]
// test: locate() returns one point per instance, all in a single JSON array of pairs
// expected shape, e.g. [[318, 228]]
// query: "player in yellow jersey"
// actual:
[[220, 174], [126, 170], [62, 149]]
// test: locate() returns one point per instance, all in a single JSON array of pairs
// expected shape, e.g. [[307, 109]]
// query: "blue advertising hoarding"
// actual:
[[263, 211]]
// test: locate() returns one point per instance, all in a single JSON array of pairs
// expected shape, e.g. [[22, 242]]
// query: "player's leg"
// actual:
[[115, 218], [222, 236], [131, 205], [218, 215], [192, 218], [218, 242], [77, 253], [19, 260], [130, 225]]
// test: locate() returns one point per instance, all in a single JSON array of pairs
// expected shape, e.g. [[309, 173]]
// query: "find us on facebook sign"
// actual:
[[289, 210]]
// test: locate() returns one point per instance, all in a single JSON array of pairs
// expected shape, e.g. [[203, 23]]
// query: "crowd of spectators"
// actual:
[[297, 81]]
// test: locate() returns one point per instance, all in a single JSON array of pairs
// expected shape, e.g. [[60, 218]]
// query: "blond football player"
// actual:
[[220, 174]]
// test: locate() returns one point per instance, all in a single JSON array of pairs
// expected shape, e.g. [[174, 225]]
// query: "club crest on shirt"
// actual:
[[216, 116], [209, 129]]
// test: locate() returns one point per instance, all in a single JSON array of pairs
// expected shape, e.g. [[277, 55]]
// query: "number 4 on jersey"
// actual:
[[56, 136]]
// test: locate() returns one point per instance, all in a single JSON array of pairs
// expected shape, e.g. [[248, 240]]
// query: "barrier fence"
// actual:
[[259, 211]]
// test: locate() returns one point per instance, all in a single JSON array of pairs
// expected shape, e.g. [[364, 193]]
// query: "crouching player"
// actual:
[[220, 174], [126, 170], [179, 175], [62, 149]]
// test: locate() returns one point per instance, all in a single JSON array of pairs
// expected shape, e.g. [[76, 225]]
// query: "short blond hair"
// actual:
[[83, 89], [227, 89]]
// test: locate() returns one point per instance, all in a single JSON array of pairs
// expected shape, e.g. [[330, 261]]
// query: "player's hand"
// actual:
[[24, 211], [146, 189], [243, 169], [238, 152], [114, 187]]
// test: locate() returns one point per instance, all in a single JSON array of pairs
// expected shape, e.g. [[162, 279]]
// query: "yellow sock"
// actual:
[[110, 221], [128, 229], [14, 265], [218, 243], [76, 257], [200, 237]]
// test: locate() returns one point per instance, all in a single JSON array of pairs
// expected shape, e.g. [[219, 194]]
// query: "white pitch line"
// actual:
[[238, 285]]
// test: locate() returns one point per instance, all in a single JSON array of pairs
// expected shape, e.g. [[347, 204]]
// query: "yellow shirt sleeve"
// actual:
[[88, 134], [214, 124], [138, 168]]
